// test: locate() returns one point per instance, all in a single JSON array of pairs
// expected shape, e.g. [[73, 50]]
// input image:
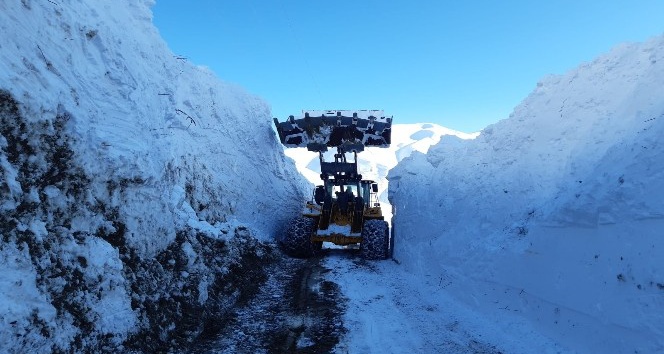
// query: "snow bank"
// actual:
[[133, 182], [556, 213]]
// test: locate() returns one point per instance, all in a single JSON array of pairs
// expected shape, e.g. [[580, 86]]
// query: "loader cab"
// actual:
[[370, 193], [366, 190], [339, 190], [350, 190]]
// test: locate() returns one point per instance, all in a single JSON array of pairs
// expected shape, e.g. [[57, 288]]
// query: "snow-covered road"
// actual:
[[341, 303], [296, 310], [390, 311]]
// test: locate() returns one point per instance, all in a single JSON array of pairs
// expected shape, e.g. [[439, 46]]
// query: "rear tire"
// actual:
[[297, 240], [375, 240]]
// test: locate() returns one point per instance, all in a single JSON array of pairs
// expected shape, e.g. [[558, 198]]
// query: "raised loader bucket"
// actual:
[[351, 130]]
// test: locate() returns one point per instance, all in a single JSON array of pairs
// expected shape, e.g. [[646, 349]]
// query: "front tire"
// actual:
[[297, 240], [375, 240]]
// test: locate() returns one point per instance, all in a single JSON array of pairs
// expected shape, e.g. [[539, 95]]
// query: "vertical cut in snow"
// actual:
[[114, 152], [555, 212]]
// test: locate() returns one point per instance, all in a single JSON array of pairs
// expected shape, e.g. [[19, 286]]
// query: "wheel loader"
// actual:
[[344, 209]]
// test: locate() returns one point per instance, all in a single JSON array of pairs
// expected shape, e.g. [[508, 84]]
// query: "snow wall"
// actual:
[[135, 186], [556, 214]]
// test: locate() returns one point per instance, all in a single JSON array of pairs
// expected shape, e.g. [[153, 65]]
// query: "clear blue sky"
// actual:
[[461, 64]]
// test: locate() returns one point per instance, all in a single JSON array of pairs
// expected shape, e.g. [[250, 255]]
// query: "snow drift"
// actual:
[[555, 214], [134, 184]]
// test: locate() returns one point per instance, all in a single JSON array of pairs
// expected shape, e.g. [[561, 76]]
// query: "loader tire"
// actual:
[[375, 240], [297, 240]]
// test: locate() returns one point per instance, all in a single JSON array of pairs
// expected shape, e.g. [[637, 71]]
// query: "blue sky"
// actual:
[[460, 64]]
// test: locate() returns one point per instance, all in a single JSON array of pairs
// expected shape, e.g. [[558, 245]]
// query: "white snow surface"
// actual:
[[193, 151], [554, 216], [140, 110], [391, 311], [544, 234], [374, 163]]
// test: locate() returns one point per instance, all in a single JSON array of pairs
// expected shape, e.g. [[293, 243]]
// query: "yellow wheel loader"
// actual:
[[344, 209]]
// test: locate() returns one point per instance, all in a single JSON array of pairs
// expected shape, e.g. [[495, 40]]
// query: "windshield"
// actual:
[[348, 189]]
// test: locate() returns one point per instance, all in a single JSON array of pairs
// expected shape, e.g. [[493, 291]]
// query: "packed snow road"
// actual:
[[341, 303], [297, 310], [390, 310], [388, 313]]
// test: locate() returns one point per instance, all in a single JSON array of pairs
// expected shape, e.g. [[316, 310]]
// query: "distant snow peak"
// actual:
[[375, 163]]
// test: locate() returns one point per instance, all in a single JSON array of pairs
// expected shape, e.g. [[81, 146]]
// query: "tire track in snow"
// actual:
[[388, 314], [295, 311]]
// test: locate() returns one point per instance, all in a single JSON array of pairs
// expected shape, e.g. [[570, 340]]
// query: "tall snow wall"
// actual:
[[135, 186], [556, 214]]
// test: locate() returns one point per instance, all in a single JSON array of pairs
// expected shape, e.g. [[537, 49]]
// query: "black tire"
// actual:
[[375, 240], [297, 240]]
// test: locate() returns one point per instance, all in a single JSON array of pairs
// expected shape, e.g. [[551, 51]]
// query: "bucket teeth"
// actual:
[[352, 130]]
